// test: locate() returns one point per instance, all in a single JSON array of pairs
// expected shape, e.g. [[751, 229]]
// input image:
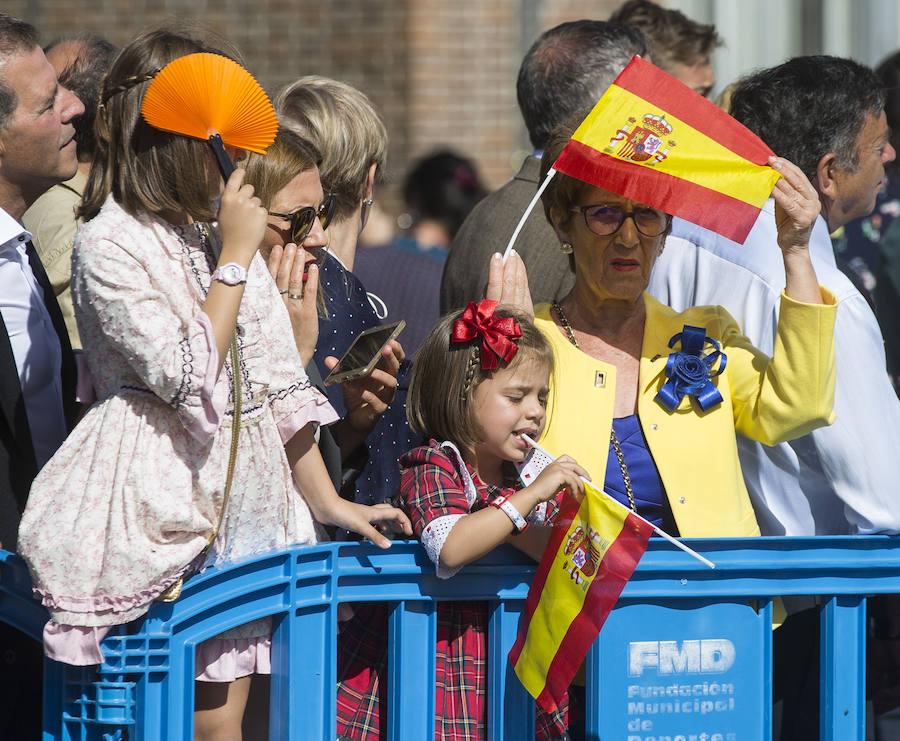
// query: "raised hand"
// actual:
[[508, 283], [370, 521], [796, 205], [242, 220]]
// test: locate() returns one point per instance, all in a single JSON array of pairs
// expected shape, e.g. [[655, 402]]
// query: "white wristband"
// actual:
[[509, 508]]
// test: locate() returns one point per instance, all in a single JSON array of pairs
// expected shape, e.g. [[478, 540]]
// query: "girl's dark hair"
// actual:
[[146, 169], [445, 375]]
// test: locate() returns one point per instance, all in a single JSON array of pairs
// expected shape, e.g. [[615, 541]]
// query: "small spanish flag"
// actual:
[[652, 139], [594, 547]]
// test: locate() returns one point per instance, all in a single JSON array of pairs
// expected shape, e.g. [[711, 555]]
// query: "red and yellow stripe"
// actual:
[[714, 172], [562, 618]]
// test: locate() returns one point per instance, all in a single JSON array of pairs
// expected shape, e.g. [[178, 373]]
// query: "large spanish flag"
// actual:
[[594, 548], [652, 139]]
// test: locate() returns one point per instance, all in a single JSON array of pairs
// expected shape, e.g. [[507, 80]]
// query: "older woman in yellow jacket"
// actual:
[[649, 399]]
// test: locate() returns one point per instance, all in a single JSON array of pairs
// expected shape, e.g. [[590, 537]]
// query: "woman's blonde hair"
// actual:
[[445, 375], [341, 123], [288, 156], [146, 169]]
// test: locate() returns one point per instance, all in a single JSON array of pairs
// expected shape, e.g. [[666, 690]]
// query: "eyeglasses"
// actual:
[[302, 219], [605, 220]]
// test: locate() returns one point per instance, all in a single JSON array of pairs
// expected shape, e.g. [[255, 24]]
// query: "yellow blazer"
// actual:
[[766, 399]]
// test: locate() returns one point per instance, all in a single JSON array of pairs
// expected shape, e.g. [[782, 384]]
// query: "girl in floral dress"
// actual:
[[126, 506], [480, 382]]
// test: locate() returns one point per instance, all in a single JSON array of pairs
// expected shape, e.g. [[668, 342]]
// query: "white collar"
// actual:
[[12, 232]]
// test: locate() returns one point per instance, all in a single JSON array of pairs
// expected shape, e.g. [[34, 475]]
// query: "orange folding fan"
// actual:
[[210, 97]]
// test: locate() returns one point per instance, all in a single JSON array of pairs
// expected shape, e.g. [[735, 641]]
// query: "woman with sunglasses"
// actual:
[[649, 400], [343, 126], [286, 180], [295, 242]]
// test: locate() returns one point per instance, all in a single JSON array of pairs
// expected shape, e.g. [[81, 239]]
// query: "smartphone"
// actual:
[[365, 352]]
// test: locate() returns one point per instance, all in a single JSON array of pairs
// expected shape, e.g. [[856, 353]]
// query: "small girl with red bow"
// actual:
[[479, 386]]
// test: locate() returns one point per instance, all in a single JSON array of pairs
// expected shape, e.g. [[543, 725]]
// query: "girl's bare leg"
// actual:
[[219, 708]]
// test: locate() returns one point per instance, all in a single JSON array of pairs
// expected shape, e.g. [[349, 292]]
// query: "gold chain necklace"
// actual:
[[614, 441]]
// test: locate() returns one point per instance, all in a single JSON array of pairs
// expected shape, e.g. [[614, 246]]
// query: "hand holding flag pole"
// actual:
[[662, 533]]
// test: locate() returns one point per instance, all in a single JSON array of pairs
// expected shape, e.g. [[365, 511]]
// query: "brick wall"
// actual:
[[441, 73]]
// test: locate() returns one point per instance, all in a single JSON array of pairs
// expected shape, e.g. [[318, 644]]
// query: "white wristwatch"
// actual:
[[231, 274], [502, 503]]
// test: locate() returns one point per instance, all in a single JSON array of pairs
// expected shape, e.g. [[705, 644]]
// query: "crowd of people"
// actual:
[[206, 310]]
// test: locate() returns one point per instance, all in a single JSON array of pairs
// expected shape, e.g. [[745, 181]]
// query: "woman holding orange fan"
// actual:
[[157, 481]]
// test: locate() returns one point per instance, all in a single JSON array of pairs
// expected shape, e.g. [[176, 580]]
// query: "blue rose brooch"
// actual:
[[690, 370]]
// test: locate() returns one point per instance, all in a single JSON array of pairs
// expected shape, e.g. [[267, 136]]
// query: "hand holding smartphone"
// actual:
[[363, 355]]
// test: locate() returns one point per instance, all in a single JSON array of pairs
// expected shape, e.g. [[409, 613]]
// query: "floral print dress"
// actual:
[[129, 501]]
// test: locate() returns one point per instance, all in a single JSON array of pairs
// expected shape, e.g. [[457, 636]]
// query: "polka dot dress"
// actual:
[[350, 311]]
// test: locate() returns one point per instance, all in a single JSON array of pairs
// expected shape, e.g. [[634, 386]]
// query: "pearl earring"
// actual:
[[566, 248]]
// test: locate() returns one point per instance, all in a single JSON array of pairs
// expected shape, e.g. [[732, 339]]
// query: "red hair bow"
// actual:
[[498, 334]]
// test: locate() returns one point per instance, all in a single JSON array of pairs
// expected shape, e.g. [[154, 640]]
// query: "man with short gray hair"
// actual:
[[567, 70], [826, 115], [37, 370], [80, 63]]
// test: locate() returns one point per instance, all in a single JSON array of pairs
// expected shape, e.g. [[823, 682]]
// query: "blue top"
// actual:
[[649, 493], [350, 311], [409, 281]]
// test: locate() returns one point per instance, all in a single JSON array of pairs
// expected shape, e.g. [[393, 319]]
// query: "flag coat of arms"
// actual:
[[652, 139], [594, 547]]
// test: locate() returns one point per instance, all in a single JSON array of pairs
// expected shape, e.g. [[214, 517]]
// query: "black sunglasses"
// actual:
[[605, 220], [302, 219]]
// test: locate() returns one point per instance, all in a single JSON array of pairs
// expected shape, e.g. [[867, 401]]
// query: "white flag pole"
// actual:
[[674, 541], [550, 173]]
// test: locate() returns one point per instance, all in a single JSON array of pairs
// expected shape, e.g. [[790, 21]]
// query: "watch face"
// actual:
[[230, 274]]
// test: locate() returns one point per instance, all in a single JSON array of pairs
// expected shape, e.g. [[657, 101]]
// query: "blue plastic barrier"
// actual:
[[686, 654]]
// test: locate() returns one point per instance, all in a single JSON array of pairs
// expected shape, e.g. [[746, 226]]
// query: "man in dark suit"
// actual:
[[566, 70], [37, 370]]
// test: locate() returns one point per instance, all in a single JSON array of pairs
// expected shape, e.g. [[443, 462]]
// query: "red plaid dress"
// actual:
[[433, 485]]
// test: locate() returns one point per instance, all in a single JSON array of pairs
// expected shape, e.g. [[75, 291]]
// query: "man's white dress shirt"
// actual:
[[34, 341]]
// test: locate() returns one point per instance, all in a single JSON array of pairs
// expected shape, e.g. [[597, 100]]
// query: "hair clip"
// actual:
[[498, 334]]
